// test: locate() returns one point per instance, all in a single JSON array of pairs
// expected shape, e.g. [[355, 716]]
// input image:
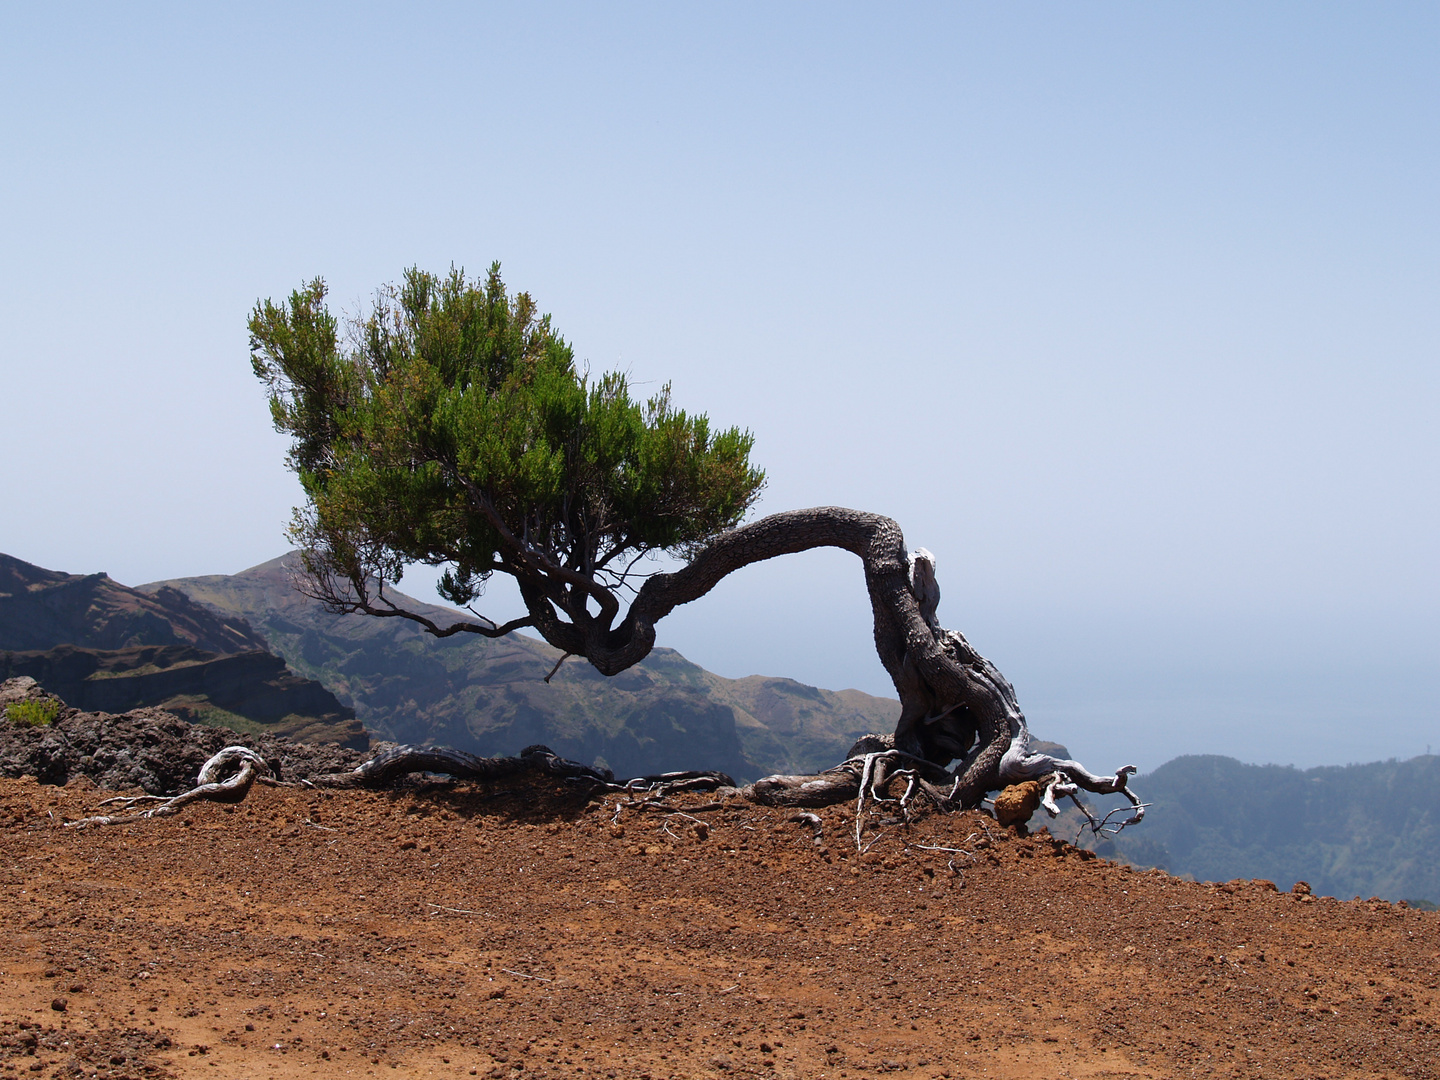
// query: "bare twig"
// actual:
[[553, 670], [948, 850], [522, 975], [1101, 826]]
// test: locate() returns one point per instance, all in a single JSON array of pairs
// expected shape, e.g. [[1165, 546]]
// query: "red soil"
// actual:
[[460, 933]]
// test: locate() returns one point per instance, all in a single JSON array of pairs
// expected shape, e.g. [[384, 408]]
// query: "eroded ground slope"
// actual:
[[462, 933]]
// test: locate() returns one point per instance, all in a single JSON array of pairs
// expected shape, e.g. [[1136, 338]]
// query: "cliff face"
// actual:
[[105, 647], [250, 691], [40, 609]]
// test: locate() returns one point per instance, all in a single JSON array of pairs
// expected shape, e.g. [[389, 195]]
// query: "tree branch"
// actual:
[[531, 559], [356, 599]]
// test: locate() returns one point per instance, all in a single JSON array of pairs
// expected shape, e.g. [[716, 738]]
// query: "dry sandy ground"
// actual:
[[459, 933]]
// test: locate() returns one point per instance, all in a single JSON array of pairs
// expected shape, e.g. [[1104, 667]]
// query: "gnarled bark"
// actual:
[[386, 768]]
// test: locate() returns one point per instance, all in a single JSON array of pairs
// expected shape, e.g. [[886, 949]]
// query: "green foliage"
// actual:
[[453, 427], [40, 713]]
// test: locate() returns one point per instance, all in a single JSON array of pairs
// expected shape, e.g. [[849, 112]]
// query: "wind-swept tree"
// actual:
[[451, 426]]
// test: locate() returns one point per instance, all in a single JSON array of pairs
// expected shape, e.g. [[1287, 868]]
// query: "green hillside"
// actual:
[[490, 696], [1348, 830]]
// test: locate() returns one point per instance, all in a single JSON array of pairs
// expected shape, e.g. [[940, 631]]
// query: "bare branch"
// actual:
[[355, 598], [553, 670]]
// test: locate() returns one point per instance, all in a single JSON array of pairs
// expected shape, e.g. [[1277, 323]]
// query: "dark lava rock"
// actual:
[[202, 687], [145, 748]]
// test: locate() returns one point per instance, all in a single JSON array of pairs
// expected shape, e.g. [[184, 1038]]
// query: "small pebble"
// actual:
[[59, 1004]]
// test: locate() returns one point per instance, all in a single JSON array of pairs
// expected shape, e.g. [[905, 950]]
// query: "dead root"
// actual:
[[226, 777]]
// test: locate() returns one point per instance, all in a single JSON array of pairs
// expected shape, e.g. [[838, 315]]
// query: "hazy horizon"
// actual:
[[1125, 313]]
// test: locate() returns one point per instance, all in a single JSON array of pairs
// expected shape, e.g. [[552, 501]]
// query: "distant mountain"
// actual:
[[102, 646], [1349, 830], [41, 608], [250, 691], [489, 696]]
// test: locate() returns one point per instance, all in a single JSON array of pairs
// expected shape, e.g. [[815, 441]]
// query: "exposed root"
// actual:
[[952, 745], [1064, 777], [873, 777], [958, 738], [212, 783], [955, 871], [387, 768]]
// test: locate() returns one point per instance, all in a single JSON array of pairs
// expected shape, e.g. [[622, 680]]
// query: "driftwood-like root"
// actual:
[[385, 769], [225, 777]]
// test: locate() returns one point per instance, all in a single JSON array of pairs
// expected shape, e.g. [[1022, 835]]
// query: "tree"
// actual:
[[452, 427]]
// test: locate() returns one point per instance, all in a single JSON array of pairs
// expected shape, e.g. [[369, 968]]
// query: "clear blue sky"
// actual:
[[1126, 311]]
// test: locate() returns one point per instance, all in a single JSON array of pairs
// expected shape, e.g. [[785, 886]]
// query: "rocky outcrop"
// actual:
[[253, 691], [143, 748]]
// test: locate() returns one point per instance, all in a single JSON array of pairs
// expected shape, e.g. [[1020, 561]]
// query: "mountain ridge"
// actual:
[[104, 646], [1368, 829], [40, 609]]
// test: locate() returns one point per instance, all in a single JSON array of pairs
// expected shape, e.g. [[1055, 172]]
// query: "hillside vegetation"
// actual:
[[1348, 830]]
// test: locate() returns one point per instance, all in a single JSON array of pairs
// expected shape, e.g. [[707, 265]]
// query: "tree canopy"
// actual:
[[451, 425]]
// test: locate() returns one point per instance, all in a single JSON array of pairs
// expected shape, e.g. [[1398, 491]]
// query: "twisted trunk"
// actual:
[[954, 703], [955, 706]]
